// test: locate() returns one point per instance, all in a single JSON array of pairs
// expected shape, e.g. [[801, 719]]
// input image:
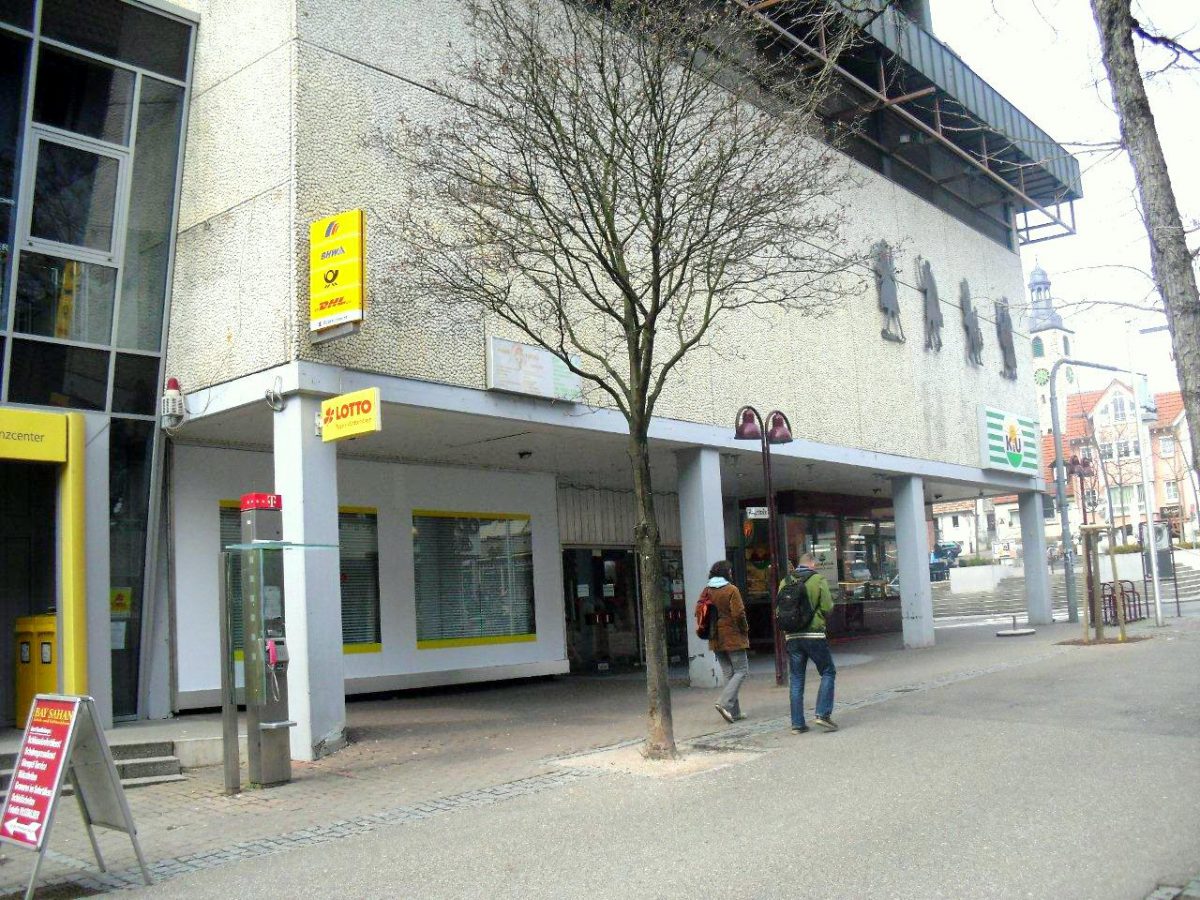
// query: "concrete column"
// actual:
[[1033, 543], [912, 551], [702, 526], [306, 477]]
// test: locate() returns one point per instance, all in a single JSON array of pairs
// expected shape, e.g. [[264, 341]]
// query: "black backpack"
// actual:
[[794, 610]]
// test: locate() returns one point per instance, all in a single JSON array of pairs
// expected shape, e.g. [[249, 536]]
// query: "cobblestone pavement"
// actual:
[[428, 754]]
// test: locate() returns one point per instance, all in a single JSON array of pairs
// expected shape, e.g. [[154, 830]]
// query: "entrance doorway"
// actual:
[[28, 585], [602, 594], [603, 615]]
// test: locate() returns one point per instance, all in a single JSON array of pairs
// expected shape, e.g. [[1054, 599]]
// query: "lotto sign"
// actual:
[[350, 415], [38, 773], [1008, 442], [337, 268]]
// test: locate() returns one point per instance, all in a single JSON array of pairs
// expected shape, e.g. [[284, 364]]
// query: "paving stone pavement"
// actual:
[[427, 765]]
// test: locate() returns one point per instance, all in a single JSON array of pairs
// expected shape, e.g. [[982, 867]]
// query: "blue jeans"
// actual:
[[800, 651]]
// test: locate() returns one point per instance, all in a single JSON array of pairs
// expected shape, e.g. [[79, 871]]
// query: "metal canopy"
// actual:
[[904, 71]]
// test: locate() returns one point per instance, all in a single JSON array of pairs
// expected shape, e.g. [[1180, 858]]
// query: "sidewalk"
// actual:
[[432, 753]]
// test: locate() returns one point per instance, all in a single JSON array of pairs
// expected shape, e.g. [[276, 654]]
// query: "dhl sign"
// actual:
[[337, 270], [351, 415]]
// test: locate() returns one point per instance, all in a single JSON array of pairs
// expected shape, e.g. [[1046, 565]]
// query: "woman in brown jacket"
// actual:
[[732, 639]]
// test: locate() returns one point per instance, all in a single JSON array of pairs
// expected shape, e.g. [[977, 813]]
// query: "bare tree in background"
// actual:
[[1172, 263], [613, 179]]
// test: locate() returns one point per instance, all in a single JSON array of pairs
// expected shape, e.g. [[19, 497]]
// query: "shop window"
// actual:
[[135, 384], [47, 374], [83, 96], [1039, 348], [130, 454], [474, 578], [17, 12], [231, 533], [358, 541], [74, 196], [120, 31], [148, 225], [65, 298], [13, 53]]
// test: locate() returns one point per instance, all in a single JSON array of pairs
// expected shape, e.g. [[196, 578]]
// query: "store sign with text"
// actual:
[[38, 772], [1008, 442], [33, 436], [351, 415], [526, 369], [337, 274]]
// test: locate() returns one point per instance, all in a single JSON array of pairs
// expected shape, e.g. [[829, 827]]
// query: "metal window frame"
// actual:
[[24, 207]]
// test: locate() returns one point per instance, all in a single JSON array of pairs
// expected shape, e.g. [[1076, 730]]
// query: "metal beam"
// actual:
[[883, 104], [900, 111]]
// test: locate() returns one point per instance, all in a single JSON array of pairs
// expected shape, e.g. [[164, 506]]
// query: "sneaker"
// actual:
[[825, 722], [725, 714], [799, 729]]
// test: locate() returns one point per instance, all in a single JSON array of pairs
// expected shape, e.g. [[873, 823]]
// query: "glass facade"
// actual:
[[92, 99]]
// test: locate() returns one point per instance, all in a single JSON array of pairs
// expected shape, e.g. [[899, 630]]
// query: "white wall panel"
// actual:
[[207, 475]]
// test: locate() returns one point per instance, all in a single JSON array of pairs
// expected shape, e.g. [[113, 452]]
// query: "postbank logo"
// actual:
[[336, 270], [351, 415]]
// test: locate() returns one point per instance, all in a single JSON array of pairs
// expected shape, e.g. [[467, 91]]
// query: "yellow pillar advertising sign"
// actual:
[[351, 415], [337, 272]]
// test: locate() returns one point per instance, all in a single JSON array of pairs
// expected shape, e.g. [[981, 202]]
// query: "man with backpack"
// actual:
[[801, 606]]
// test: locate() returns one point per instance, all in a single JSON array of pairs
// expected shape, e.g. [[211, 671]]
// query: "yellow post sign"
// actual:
[[351, 415], [337, 270], [35, 436]]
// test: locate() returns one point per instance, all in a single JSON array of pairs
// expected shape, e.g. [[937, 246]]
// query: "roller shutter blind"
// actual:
[[474, 577], [359, 551], [231, 533], [358, 538]]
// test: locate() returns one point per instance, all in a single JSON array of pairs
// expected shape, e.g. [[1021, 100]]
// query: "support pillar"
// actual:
[[1033, 544], [912, 551], [306, 477], [702, 527]]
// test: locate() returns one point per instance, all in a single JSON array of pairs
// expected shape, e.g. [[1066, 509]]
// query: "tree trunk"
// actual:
[[660, 736], [1170, 261]]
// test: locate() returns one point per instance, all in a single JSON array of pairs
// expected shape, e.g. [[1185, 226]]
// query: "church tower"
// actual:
[[1051, 342]]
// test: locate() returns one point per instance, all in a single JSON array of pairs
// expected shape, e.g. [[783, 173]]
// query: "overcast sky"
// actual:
[[1044, 57]]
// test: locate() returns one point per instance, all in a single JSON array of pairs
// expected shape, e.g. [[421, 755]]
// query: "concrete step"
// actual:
[[149, 762]]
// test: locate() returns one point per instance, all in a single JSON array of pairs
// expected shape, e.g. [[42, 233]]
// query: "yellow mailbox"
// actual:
[[37, 661]]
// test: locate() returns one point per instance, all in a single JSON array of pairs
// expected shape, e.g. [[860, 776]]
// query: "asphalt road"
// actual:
[[1075, 775]]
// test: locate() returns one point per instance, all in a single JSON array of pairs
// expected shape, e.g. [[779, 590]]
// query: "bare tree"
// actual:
[[614, 179], [1170, 259]]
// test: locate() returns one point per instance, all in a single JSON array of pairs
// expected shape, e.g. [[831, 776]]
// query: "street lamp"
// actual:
[[749, 426]]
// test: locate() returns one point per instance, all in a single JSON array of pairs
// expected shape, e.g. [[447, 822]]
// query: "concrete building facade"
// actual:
[[486, 533]]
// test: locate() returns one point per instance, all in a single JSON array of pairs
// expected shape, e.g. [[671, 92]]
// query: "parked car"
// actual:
[[948, 552]]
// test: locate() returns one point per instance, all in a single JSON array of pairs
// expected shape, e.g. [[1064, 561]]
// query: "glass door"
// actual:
[[603, 618]]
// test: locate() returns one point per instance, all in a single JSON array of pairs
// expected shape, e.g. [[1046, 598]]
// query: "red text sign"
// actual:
[[261, 501], [39, 771]]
